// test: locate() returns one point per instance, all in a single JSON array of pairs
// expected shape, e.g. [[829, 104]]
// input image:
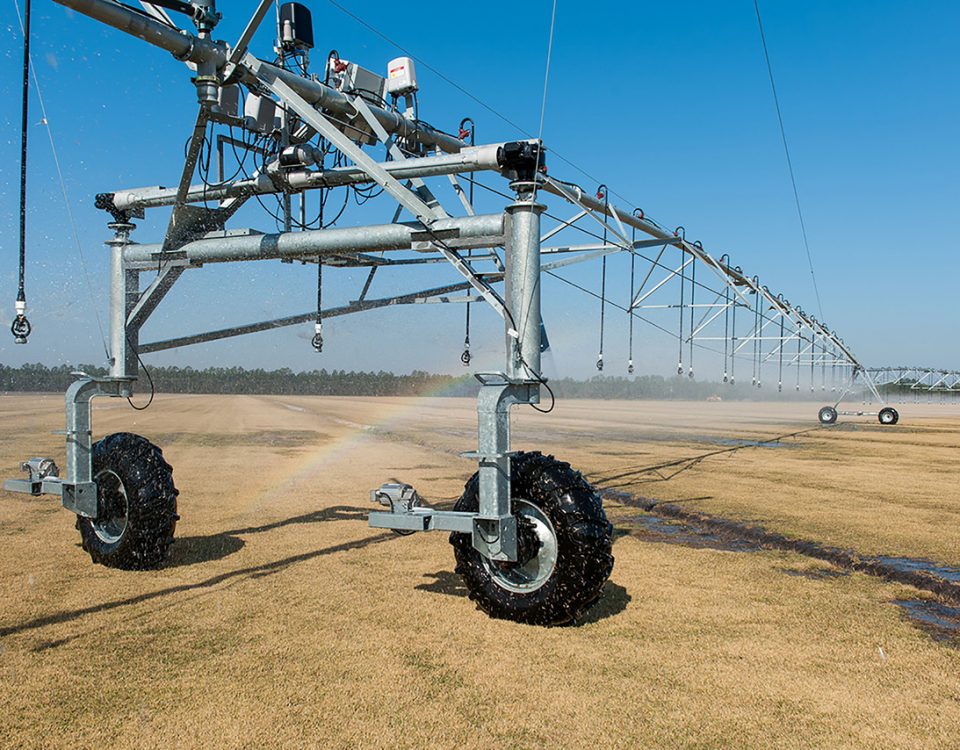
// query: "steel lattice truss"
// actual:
[[676, 285], [917, 378]]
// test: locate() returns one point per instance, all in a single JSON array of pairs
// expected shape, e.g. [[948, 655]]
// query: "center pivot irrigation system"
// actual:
[[530, 536]]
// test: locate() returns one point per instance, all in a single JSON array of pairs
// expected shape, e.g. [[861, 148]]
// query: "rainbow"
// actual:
[[318, 459]]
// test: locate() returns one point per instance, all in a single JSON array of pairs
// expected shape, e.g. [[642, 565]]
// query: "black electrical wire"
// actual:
[[693, 293], [21, 287], [633, 264], [726, 326], [146, 370], [733, 344], [317, 341], [603, 274], [465, 356], [683, 284], [799, 345], [756, 340], [780, 374]]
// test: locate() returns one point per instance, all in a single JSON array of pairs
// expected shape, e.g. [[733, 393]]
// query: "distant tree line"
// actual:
[[40, 378]]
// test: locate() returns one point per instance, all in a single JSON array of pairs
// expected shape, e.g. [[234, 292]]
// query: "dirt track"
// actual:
[[282, 620]]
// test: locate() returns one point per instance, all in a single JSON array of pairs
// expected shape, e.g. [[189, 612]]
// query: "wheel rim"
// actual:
[[523, 579], [112, 520]]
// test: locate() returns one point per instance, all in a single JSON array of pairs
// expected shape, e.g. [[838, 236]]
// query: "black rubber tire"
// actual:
[[151, 503], [584, 545], [888, 416], [827, 415]]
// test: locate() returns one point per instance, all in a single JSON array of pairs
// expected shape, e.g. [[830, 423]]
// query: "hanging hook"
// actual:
[[467, 132]]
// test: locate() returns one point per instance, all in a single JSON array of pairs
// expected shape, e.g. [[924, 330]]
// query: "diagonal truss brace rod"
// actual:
[[364, 109], [673, 274], [268, 325]]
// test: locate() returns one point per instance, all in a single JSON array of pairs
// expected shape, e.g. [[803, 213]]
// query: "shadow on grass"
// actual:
[[191, 550], [251, 572], [444, 582], [614, 600]]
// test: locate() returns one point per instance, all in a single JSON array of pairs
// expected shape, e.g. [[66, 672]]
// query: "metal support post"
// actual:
[[124, 295], [495, 529]]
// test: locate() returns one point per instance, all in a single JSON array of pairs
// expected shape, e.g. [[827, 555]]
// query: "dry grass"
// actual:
[[283, 621]]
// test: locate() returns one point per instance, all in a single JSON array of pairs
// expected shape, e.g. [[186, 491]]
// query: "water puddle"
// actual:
[[940, 622], [670, 523], [910, 565], [656, 529]]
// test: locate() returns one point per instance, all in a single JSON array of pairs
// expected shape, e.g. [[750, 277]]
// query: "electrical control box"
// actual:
[[259, 113], [352, 79], [401, 76], [296, 26], [366, 83]]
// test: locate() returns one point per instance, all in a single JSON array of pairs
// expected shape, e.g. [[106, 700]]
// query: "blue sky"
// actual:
[[668, 103]]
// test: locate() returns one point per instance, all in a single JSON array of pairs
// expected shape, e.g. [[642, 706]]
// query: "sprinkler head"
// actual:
[[20, 328]]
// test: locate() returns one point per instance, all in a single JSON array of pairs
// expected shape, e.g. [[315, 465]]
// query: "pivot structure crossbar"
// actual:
[[304, 138]]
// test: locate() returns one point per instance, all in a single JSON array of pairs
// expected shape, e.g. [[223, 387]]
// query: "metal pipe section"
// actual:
[[291, 320], [523, 289], [124, 283], [473, 159], [183, 46], [321, 242], [191, 48]]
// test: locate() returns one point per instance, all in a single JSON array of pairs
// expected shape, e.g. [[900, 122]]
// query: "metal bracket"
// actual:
[[77, 490]]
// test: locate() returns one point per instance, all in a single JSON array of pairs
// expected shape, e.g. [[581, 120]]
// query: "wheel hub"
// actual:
[[537, 543], [111, 520]]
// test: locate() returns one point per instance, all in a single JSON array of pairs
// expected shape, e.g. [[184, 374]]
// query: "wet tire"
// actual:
[[827, 415], [573, 544], [137, 504], [888, 416]]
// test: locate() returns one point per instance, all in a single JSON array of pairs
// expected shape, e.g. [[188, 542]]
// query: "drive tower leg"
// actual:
[[495, 530]]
